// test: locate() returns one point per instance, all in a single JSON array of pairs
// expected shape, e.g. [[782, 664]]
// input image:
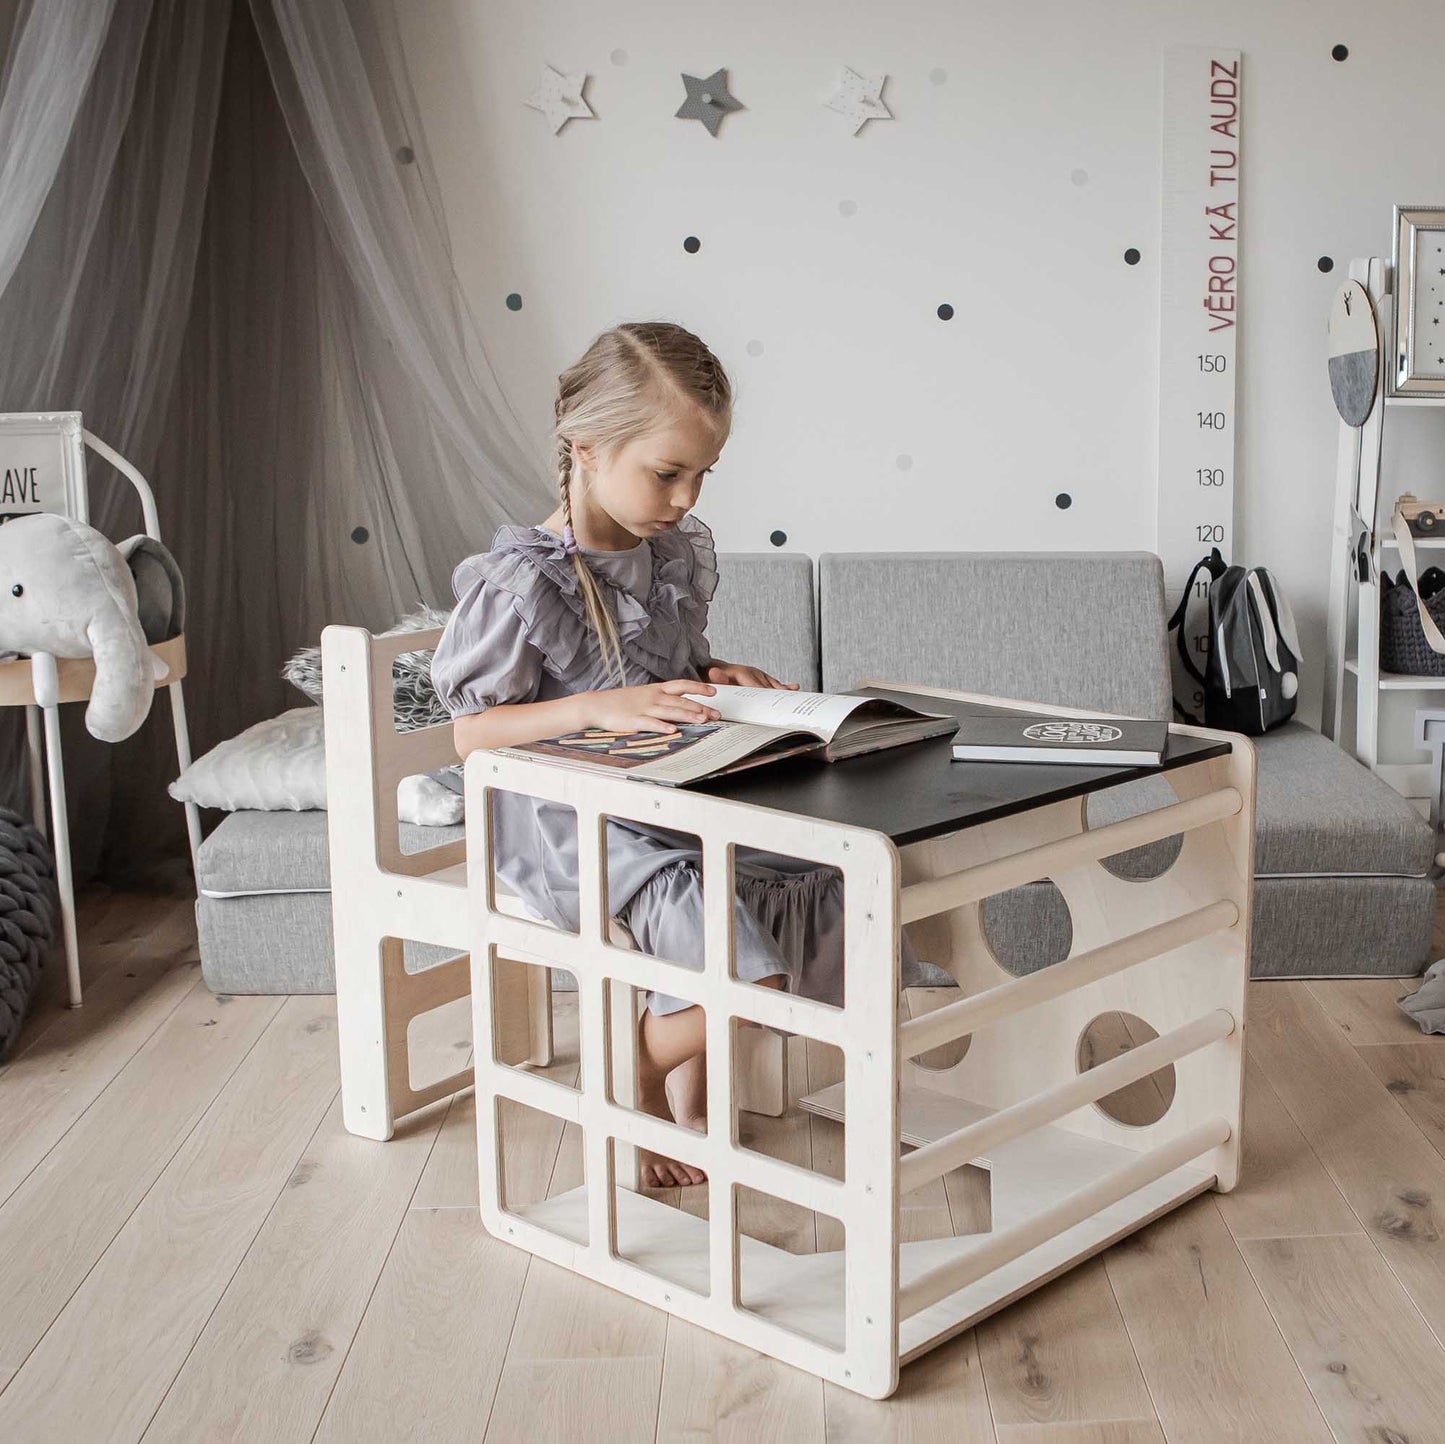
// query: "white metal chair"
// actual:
[[40, 683]]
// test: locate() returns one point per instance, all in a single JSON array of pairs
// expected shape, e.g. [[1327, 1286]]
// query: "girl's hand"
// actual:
[[657, 707], [734, 674]]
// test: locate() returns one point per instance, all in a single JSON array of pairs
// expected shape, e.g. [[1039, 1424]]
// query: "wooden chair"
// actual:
[[382, 897]]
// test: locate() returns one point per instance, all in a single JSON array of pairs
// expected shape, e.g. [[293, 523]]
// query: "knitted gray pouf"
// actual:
[[29, 914]]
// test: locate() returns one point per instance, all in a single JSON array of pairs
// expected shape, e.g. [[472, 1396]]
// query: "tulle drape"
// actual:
[[240, 273], [106, 117]]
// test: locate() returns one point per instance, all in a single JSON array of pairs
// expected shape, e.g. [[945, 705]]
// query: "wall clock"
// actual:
[[1417, 260]]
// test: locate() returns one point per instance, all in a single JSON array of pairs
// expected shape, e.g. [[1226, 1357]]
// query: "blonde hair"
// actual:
[[630, 381]]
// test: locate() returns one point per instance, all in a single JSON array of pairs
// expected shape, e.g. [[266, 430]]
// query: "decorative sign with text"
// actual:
[[1199, 319], [42, 464]]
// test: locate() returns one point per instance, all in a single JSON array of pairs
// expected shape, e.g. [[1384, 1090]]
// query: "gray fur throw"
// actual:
[[414, 697], [29, 913]]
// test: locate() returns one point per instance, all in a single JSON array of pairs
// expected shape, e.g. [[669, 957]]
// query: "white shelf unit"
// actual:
[[1353, 637]]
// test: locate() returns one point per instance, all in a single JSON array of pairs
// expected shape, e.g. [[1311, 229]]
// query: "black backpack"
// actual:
[[1251, 672]]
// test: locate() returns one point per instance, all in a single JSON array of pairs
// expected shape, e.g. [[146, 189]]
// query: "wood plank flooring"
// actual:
[[192, 1247]]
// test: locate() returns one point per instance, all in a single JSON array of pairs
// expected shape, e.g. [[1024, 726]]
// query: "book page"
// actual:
[[820, 713], [693, 750], [729, 743]]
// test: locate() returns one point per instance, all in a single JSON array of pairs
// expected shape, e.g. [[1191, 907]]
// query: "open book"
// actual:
[[759, 724]]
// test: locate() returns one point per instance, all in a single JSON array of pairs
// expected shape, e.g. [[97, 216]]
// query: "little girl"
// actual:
[[597, 617]]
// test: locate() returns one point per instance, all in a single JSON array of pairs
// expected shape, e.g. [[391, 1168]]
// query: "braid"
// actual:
[[597, 612]]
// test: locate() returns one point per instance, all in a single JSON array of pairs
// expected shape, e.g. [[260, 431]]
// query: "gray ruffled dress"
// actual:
[[519, 633]]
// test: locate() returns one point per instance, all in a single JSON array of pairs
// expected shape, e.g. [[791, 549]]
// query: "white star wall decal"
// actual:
[[559, 98], [860, 98]]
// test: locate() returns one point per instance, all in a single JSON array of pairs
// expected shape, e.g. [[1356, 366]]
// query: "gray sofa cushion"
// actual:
[[271, 852], [1317, 810], [762, 614], [1082, 629]]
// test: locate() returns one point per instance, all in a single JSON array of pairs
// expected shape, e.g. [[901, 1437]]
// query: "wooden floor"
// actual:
[[192, 1247]]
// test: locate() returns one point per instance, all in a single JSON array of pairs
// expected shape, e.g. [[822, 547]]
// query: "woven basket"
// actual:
[[1403, 647]]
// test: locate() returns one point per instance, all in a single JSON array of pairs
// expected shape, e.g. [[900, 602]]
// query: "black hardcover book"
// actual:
[[1094, 741]]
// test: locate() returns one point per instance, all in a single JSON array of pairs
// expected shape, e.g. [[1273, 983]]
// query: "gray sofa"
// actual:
[[1343, 885]]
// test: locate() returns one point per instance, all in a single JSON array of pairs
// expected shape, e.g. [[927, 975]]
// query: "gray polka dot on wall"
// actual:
[[938, 76], [847, 208], [904, 463], [755, 348], [1079, 177], [619, 57]]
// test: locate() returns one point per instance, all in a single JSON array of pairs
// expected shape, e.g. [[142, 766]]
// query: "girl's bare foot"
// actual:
[[659, 1171]]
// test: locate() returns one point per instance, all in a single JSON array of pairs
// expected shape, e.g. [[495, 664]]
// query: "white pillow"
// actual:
[[279, 765]]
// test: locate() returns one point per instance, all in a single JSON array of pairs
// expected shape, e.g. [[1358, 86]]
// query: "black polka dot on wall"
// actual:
[[1131, 257], [945, 312], [778, 538], [692, 245], [405, 155], [514, 302], [360, 534], [1341, 52], [1063, 501], [1326, 263]]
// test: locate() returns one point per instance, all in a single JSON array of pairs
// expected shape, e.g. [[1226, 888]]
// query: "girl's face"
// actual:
[[653, 481]]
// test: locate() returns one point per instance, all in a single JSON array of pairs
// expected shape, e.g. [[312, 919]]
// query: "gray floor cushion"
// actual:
[[1304, 927], [278, 943], [1320, 811], [253, 852]]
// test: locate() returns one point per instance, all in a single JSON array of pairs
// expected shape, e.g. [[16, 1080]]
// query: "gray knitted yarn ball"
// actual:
[[29, 915]]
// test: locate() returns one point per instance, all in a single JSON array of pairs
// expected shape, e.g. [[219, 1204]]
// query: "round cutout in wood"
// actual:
[[1137, 1104], [1354, 353], [917, 1003], [1027, 928], [1129, 799]]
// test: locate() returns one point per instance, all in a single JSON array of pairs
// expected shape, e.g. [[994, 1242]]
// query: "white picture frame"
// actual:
[[42, 464], [1418, 366]]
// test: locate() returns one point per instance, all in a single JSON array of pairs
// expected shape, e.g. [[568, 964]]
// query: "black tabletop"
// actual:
[[918, 791]]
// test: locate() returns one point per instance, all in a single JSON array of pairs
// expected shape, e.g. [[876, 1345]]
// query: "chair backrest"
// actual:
[[1081, 629], [763, 614], [42, 467]]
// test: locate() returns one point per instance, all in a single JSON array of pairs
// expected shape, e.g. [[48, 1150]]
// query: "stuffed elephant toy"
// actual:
[[67, 590]]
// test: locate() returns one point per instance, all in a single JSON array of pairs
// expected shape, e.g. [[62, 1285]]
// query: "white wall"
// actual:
[[1046, 379]]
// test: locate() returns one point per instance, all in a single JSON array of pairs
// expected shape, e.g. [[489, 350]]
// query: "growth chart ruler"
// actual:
[[1198, 320]]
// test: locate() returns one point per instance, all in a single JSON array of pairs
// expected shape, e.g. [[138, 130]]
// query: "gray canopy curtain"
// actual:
[[221, 241]]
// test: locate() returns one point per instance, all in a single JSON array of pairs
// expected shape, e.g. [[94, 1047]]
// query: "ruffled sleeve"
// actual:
[[485, 656], [702, 583]]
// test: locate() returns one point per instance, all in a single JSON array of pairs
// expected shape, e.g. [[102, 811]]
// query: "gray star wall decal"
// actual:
[[860, 98], [559, 98], [708, 100]]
